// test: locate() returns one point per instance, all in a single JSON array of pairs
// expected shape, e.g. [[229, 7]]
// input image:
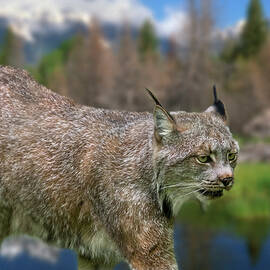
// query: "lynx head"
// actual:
[[194, 154]]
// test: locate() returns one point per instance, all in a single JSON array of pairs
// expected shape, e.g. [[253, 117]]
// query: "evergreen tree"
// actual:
[[255, 30], [12, 50], [54, 61], [148, 42]]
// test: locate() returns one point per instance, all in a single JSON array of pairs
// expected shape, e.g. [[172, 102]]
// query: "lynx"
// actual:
[[106, 184]]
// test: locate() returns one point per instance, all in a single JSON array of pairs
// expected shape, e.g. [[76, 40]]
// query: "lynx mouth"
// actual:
[[211, 194]]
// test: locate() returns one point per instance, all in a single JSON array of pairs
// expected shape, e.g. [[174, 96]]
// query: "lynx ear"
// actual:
[[164, 122], [218, 106]]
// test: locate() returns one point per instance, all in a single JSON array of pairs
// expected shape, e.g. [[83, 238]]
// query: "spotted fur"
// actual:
[[94, 180]]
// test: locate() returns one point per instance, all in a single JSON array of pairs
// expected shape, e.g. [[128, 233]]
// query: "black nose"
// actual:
[[226, 181]]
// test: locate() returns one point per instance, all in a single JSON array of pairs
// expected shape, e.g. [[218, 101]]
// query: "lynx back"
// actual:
[[106, 184]]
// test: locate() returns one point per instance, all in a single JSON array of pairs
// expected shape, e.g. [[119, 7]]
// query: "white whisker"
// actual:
[[188, 185], [194, 191]]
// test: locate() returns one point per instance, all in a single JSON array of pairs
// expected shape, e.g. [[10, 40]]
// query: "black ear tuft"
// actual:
[[158, 103], [218, 104], [153, 97]]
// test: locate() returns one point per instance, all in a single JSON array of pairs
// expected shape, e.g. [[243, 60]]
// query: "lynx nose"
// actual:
[[226, 181]]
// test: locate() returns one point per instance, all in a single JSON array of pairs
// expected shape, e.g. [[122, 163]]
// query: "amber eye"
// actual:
[[204, 159], [232, 156]]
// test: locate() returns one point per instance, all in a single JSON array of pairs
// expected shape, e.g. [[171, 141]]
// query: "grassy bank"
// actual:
[[249, 199], [251, 140]]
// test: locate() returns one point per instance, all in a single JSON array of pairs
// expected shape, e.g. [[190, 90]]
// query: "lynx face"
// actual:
[[195, 154]]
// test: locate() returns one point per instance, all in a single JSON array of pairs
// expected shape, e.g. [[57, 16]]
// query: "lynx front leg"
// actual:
[[134, 221], [159, 256], [86, 264], [5, 217], [146, 244]]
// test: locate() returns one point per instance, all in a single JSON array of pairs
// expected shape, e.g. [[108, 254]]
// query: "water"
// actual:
[[205, 249], [211, 250], [196, 247]]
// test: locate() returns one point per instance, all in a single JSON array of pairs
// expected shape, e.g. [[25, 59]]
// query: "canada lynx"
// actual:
[[106, 184]]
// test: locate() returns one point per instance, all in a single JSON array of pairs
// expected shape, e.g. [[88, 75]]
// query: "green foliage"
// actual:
[[248, 199], [252, 38], [7, 49], [251, 195], [54, 60], [243, 140], [230, 51], [148, 42], [255, 30], [246, 206]]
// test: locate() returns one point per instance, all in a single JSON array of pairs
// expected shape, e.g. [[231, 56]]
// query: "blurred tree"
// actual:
[[248, 80], [128, 92], [197, 67], [173, 50], [12, 50], [173, 69], [259, 70], [58, 81], [154, 77], [90, 69], [229, 51], [206, 26], [147, 41], [91, 72], [54, 61], [252, 38], [255, 30]]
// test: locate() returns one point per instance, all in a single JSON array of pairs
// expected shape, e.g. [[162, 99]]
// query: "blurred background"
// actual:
[[104, 53]]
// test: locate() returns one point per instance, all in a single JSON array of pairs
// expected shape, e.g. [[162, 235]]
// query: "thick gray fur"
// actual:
[[95, 180]]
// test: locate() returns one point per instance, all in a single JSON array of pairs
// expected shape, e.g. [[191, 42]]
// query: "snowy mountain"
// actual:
[[44, 25]]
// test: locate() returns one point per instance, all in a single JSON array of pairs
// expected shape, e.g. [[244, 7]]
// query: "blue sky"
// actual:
[[169, 16], [228, 13]]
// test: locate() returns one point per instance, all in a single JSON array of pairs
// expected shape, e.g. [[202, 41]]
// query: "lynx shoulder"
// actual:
[[106, 184]]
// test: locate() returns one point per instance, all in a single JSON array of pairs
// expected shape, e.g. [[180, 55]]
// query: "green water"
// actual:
[[234, 232], [243, 211], [239, 220]]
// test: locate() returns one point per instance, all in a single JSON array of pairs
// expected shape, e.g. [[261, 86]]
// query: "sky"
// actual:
[[29, 16], [229, 12]]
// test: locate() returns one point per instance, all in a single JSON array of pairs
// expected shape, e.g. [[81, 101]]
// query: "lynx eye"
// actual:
[[204, 159], [232, 156]]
